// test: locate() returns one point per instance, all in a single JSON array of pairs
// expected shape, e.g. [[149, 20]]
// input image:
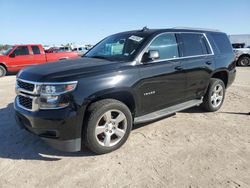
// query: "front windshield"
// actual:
[[6, 52], [119, 47]]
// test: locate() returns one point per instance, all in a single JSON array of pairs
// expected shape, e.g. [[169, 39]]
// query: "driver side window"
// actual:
[[166, 45], [21, 50]]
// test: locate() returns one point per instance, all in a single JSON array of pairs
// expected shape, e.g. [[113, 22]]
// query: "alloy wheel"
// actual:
[[217, 96], [111, 128]]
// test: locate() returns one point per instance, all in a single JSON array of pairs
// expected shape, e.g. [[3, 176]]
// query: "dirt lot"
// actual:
[[191, 149]]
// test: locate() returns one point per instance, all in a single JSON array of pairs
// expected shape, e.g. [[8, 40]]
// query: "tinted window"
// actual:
[[166, 45], [36, 50], [222, 42], [21, 50], [194, 44]]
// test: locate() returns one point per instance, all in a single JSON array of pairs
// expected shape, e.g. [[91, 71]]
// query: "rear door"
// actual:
[[163, 82], [38, 55], [198, 61]]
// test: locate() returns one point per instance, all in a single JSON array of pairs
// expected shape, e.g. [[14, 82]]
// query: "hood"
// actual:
[[2, 57], [67, 70]]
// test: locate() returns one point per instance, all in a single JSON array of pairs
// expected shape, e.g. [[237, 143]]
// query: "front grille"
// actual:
[[25, 85], [26, 102]]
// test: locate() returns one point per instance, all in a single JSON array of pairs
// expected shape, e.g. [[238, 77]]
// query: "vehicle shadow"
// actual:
[[236, 113], [18, 144], [199, 110], [11, 73], [195, 109]]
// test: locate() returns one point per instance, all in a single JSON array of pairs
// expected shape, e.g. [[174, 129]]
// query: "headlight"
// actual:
[[52, 95]]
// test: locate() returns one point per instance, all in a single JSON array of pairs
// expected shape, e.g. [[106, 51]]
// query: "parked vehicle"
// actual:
[[128, 78], [20, 56], [81, 50], [58, 49], [238, 45], [242, 56]]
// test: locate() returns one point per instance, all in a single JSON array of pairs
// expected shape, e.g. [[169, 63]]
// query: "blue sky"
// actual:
[[85, 21]]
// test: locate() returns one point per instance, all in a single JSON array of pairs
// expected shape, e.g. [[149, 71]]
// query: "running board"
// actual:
[[167, 111]]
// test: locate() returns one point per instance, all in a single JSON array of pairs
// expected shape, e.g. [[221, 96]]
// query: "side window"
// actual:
[[21, 50], [194, 44], [35, 50], [166, 45], [204, 45], [222, 42]]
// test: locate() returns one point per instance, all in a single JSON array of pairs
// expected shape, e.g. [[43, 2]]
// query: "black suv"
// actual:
[[127, 78]]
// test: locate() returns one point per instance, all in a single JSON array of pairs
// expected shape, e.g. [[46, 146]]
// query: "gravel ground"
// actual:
[[191, 149]]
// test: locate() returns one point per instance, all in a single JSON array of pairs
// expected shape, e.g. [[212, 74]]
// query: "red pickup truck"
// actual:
[[20, 56]]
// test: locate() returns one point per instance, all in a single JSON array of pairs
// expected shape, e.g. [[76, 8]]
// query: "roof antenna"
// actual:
[[145, 28]]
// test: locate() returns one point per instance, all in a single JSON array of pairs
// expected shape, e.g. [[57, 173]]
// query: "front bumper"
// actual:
[[61, 129]]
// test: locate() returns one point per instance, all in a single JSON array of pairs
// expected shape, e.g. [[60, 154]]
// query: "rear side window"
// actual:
[[222, 42], [36, 50], [194, 44], [166, 45], [21, 50]]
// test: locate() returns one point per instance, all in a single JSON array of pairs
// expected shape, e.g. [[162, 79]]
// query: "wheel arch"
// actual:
[[123, 96], [222, 75], [242, 55], [4, 65]]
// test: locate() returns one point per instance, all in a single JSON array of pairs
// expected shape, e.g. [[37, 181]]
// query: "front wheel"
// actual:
[[108, 126], [215, 95], [2, 71]]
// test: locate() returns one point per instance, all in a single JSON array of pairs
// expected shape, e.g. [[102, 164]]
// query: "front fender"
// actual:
[[117, 85]]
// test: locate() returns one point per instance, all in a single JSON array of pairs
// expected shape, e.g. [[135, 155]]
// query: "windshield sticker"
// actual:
[[136, 38]]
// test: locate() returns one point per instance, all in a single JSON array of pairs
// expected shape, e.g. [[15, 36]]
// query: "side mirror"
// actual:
[[151, 55], [12, 55]]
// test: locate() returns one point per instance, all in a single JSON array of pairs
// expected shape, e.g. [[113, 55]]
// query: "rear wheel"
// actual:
[[244, 61], [215, 95], [108, 126], [2, 71]]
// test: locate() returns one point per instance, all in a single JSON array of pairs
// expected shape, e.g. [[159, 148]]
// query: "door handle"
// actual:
[[179, 68], [208, 62]]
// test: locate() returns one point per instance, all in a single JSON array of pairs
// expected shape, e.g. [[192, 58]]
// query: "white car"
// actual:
[[242, 56], [80, 50]]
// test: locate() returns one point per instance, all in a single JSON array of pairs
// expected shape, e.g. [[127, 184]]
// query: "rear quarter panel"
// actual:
[[224, 61]]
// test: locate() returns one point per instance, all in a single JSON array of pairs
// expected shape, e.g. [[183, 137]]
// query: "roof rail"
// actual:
[[193, 28]]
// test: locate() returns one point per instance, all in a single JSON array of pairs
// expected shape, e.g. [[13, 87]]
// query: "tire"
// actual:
[[2, 71], [107, 127], [244, 61], [215, 95]]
